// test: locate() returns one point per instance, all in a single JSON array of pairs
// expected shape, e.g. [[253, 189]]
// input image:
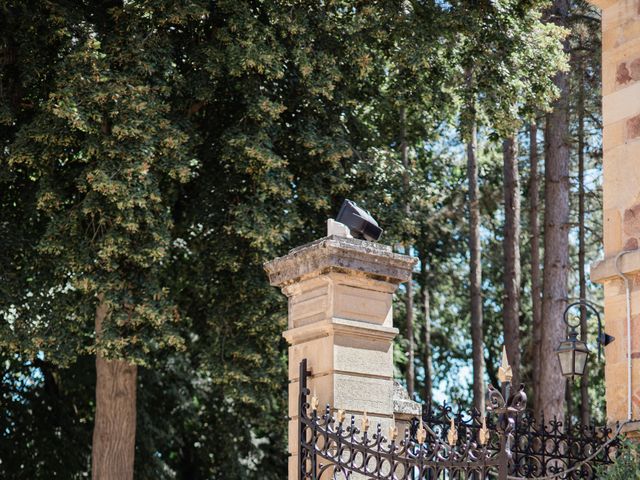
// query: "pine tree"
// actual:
[[511, 246], [551, 392]]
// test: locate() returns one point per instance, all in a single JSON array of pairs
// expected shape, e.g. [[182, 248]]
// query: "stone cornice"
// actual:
[[337, 326], [340, 254], [605, 270]]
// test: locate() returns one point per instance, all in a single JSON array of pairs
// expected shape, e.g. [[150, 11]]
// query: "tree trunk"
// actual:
[[511, 247], [568, 398], [556, 242], [426, 354], [585, 412], [475, 267], [114, 430], [536, 284], [404, 151]]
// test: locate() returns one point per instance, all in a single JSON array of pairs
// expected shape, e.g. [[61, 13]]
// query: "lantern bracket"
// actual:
[[603, 338]]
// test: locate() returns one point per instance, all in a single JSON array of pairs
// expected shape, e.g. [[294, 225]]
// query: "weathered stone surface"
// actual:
[[340, 293], [625, 52], [615, 381], [402, 404], [623, 76], [340, 326], [617, 106], [604, 4], [631, 244], [351, 393], [357, 303], [633, 128], [636, 402], [632, 430], [634, 69], [333, 294], [364, 356], [605, 270], [621, 192], [344, 353], [612, 232], [615, 135], [628, 72], [621, 174], [311, 303], [404, 409], [631, 220], [340, 254], [356, 393]]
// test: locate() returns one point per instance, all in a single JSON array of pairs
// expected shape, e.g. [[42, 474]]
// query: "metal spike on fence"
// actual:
[[505, 373], [452, 436], [365, 422], [483, 434], [421, 434]]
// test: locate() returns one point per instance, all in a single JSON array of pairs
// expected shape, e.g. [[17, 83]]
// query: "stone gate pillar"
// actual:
[[621, 189], [340, 319]]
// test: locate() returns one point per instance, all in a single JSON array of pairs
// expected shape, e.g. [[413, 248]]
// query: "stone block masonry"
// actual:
[[621, 190], [340, 292]]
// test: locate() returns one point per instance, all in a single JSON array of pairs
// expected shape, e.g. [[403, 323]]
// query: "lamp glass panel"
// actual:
[[580, 361], [566, 359]]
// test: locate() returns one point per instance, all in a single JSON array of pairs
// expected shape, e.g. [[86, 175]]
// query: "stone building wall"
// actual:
[[621, 186]]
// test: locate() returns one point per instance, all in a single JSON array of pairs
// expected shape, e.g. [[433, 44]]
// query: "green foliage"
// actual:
[[155, 154], [506, 58], [106, 155], [626, 465]]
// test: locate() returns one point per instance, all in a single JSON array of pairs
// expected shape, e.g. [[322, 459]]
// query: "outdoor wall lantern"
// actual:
[[573, 352]]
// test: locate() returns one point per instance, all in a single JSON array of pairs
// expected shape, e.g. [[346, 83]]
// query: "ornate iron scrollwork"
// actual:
[[505, 443], [538, 448], [333, 447]]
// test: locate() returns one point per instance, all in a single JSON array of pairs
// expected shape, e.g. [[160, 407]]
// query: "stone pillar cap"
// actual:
[[340, 254]]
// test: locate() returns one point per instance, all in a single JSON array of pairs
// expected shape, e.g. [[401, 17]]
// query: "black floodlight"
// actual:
[[359, 221]]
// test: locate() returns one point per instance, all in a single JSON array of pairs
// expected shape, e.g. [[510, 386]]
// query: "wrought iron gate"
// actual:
[[505, 444]]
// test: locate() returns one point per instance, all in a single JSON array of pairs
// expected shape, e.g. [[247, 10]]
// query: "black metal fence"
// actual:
[[539, 449], [506, 444]]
